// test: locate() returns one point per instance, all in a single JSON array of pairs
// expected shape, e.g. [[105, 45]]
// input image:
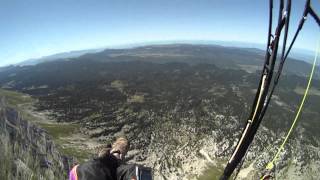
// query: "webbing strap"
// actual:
[[270, 165], [244, 134]]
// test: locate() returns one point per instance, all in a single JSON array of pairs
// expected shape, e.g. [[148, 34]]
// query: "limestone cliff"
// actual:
[[27, 151]]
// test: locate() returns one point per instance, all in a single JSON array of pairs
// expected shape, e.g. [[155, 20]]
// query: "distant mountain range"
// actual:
[[247, 59], [58, 56], [301, 54]]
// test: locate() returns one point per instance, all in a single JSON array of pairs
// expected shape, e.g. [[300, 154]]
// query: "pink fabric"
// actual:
[[72, 174]]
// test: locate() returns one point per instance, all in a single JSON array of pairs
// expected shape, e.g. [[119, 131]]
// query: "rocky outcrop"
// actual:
[[27, 151]]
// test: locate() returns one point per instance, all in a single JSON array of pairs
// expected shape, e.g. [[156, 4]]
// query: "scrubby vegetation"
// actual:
[[167, 103]]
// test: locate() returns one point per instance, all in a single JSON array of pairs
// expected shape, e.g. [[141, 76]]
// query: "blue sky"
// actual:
[[35, 28]]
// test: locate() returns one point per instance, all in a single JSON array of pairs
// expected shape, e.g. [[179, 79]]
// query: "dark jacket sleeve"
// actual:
[[98, 169]]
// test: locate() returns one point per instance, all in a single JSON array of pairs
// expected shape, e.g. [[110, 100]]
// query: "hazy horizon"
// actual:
[[236, 44], [36, 28]]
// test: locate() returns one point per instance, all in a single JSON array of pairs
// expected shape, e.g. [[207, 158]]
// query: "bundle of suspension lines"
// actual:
[[267, 82]]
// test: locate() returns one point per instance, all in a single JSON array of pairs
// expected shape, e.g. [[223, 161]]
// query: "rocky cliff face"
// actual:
[[27, 151]]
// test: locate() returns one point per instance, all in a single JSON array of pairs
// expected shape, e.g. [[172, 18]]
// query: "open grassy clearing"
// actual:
[[14, 99], [58, 131], [213, 172]]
